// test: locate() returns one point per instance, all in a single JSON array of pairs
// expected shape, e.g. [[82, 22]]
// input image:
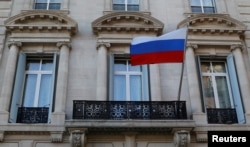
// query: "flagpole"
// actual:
[[182, 66]]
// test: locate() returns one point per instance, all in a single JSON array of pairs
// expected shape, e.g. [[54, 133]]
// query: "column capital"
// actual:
[[62, 43], [16, 43], [181, 138], [236, 46], [105, 44], [192, 45]]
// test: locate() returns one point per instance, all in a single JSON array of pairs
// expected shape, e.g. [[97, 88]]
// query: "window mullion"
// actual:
[[48, 3], [216, 97], [202, 6]]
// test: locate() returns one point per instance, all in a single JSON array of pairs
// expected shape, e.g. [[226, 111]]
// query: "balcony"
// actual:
[[125, 110], [32, 115], [221, 116]]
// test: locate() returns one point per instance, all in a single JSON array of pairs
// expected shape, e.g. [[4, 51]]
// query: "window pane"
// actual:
[[209, 9], [54, 6], [33, 65], [40, 6], [47, 65], [219, 67], [133, 8], [118, 1], [207, 2], [196, 9], [120, 88], [205, 67], [55, 1], [135, 88], [195, 2], [41, 1], [223, 92], [29, 90], [208, 92], [133, 2], [118, 7], [134, 68], [45, 91], [120, 65]]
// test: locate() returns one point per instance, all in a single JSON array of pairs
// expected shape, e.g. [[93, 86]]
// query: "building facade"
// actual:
[[66, 78]]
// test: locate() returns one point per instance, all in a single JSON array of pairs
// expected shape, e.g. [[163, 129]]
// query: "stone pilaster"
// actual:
[[58, 117], [102, 72]]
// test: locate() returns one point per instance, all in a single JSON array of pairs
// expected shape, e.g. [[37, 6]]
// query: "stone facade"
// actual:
[[80, 37]]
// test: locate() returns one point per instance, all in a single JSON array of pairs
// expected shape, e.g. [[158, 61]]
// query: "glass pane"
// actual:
[[219, 67], [118, 1], [195, 3], [208, 92], [119, 7], [134, 68], [120, 88], [223, 93], [47, 65], [45, 91], [196, 9], [209, 9], [133, 8], [207, 2], [135, 88], [205, 67], [41, 1], [29, 90], [55, 1], [55, 6], [33, 65], [120, 65], [41, 6], [133, 2]]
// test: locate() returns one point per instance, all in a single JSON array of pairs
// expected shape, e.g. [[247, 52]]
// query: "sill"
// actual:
[[66, 12], [143, 12]]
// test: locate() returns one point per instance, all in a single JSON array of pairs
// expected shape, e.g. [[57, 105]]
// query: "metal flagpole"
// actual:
[[182, 66]]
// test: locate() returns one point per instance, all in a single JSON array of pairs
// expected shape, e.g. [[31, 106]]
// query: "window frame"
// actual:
[[145, 95], [126, 5], [48, 3], [202, 7]]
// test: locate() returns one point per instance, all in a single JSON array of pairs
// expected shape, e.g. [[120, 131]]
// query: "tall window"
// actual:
[[220, 89], [203, 6], [129, 83], [126, 5], [47, 4], [34, 86]]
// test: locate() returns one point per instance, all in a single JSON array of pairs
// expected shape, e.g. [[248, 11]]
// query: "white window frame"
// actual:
[[144, 79], [47, 5], [202, 6], [126, 5], [213, 75]]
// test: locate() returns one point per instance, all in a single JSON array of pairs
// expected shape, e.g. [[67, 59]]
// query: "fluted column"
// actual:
[[102, 72], [193, 84], [9, 76], [62, 83], [242, 76]]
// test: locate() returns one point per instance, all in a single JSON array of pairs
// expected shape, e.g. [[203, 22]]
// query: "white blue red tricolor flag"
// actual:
[[168, 48]]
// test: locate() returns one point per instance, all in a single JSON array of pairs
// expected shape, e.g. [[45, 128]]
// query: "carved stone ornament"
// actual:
[[1, 136], [60, 44], [181, 138], [77, 137], [56, 137], [105, 44], [16, 43]]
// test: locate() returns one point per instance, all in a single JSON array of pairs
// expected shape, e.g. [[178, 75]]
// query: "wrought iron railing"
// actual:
[[32, 115], [118, 110], [221, 116]]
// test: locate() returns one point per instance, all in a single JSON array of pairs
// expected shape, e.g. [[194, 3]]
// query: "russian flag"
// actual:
[[168, 48]]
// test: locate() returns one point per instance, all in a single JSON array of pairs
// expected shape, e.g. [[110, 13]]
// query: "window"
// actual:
[[128, 83], [47, 4], [33, 87], [203, 6], [126, 5], [220, 90]]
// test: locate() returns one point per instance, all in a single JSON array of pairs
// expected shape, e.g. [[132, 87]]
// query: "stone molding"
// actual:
[[236, 46], [16, 43], [135, 22], [56, 21], [60, 44], [191, 45], [218, 23], [105, 44], [77, 137], [181, 138]]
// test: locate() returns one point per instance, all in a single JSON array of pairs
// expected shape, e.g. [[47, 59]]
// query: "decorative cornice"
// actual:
[[57, 21], [218, 23], [127, 22]]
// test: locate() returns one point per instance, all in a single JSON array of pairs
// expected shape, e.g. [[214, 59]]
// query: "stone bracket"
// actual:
[[181, 138]]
